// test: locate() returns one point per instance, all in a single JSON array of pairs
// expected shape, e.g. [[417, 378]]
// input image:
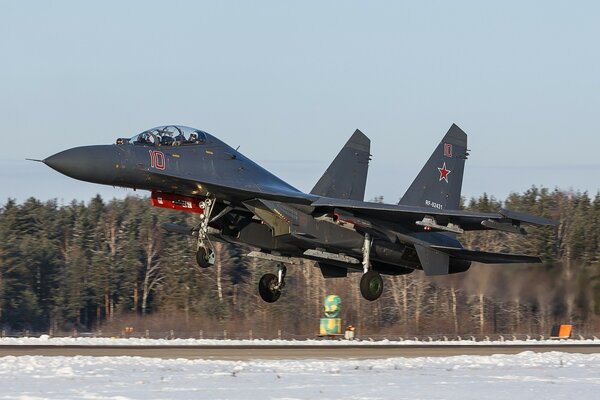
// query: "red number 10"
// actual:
[[157, 159]]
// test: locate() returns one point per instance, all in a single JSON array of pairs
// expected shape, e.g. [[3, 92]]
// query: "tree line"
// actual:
[[108, 264]]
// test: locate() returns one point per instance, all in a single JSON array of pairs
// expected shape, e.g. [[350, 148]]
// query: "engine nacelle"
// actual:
[[390, 269], [177, 202], [457, 266]]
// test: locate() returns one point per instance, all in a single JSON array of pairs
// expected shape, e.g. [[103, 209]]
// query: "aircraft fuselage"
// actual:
[[240, 202]]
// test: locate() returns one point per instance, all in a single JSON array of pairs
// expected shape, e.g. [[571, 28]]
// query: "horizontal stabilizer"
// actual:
[[527, 218], [486, 257], [504, 227], [433, 262]]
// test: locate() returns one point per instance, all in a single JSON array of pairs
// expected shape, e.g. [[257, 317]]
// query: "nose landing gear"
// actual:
[[205, 255]]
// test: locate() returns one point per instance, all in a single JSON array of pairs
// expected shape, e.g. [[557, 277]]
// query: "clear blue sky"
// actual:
[[290, 81]]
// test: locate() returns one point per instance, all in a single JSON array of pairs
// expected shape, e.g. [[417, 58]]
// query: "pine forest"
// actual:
[[107, 266]]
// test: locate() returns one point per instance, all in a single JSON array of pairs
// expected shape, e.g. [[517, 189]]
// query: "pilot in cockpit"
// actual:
[[143, 138], [193, 137], [179, 139]]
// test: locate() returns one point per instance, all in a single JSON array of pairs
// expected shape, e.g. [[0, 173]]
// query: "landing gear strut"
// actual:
[[270, 285], [371, 283], [205, 255]]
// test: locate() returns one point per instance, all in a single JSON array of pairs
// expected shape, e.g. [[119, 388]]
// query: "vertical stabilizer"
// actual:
[[439, 183], [346, 177]]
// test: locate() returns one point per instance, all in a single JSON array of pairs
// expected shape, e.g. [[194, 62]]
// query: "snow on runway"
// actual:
[[554, 375]]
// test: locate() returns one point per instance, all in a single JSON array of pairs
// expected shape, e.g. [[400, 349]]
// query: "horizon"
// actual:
[[144, 194]]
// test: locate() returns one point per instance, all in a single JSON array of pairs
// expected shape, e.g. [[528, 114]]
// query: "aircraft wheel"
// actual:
[[205, 257], [371, 285], [268, 288]]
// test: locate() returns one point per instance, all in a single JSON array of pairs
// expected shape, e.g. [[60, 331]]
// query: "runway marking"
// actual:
[[247, 352]]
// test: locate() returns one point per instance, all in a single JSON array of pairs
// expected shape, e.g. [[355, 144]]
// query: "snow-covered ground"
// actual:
[[524, 376], [86, 341]]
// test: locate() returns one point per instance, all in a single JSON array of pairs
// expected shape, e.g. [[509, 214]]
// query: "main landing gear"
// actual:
[[205, 255], [270, 285], [371, 283]]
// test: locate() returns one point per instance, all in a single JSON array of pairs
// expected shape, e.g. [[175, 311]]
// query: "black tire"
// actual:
[[371, 285], [202, 257], [267, 288]]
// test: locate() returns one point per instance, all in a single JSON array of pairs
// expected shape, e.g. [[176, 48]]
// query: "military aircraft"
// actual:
[[240, 202]]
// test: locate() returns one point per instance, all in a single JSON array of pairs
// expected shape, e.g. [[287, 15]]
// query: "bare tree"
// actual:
[[151, 242]]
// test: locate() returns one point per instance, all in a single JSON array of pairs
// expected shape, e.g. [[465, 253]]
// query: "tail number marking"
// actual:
[[448, 149], [157, 160], [434, 204]]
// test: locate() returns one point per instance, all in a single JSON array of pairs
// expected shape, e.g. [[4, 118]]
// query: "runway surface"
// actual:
[[248, 352]]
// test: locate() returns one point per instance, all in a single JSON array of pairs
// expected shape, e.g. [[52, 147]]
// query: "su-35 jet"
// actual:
[[240, 202]]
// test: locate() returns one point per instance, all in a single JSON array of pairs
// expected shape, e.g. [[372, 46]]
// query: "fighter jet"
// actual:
[[240, 202]]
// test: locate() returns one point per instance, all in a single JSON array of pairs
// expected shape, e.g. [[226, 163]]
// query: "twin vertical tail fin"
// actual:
[[346, 177], [439, 183]]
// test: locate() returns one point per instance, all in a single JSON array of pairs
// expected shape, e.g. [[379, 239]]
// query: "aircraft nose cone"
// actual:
[[96, 164]]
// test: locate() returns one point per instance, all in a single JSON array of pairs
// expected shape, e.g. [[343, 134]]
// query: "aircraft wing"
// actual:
[[233, 190], [435, 260], [487, 257], [435, 219]]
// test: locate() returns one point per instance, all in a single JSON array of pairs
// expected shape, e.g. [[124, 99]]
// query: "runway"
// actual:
[[274, 352]]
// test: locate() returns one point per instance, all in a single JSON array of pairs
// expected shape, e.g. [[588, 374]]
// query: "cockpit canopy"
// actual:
[[168, 135]]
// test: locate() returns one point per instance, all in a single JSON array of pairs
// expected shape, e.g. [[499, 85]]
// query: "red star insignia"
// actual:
[[444, 173]]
